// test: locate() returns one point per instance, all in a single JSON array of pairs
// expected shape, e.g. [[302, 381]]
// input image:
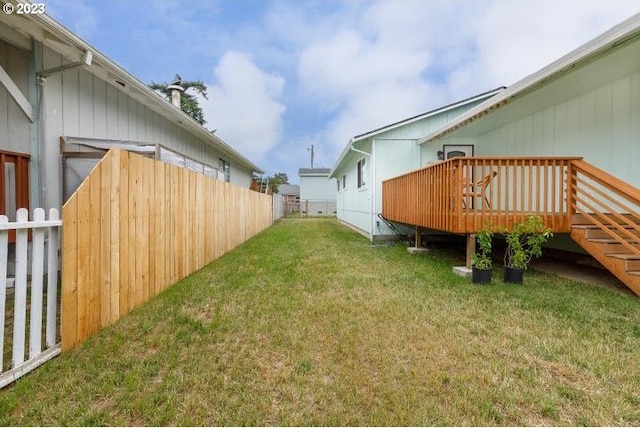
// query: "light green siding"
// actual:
[[393, 151]]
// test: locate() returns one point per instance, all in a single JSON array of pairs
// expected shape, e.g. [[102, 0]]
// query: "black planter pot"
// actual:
[[513, 275], [480, 276]]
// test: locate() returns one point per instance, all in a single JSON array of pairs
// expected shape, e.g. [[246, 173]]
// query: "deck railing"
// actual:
[[461, 195]]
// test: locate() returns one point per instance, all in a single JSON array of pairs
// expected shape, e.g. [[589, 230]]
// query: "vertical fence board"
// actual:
[[69, 304], [84, 257], [4, 243], [104, 225], [37, 272], [114, 238], [157, 224], [20, 290], [95, 281], [52, 281], [123, 241]]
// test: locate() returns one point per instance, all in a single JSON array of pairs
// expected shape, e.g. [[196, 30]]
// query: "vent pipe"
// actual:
[[176, 90]]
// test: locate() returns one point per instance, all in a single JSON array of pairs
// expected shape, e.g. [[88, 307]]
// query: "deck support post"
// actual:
[[471, 247], [418, 237]]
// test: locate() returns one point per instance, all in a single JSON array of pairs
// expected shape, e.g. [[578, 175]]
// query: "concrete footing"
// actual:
[[417, 250], [462, 271]]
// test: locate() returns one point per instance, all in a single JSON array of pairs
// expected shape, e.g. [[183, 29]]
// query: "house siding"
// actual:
[[318, 195], [14, 124], [393, 152], [77, 103], [598, 125]]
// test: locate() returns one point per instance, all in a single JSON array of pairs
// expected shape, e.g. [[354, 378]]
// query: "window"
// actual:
[[225, 167], [344, 182], [338, 183], [14, 182], [362, 172], [14, 185]]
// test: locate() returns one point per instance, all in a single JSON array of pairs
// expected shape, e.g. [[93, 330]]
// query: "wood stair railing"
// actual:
[[606, 220]]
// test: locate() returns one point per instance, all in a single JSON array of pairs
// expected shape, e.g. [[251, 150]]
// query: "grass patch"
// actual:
[[308, 324]]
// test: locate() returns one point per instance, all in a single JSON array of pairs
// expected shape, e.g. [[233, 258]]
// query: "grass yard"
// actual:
[[308, 324]]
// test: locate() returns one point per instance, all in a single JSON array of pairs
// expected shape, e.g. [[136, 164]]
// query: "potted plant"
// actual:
[[524, 241], [481, 263]]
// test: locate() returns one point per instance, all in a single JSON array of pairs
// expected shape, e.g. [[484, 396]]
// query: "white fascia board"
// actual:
[[431, 113], [51, 33], [343, 155], [395, 125], [610, 39]]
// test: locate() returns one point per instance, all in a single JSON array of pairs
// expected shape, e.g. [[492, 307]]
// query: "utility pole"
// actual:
[[310, 149]]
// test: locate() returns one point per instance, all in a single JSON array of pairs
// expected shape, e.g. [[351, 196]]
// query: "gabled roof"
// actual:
[[611, 39], [17, 29], [410, 120], [289, 189], [433, 112]]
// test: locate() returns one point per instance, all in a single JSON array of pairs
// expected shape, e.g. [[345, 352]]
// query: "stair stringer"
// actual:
[[615, 266]]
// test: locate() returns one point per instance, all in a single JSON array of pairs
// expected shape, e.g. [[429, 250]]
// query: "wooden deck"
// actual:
[[464, 195], [461, 195]]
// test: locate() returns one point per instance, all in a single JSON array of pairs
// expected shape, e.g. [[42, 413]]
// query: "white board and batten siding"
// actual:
[[14, 124], [79, 104], [34, 304]]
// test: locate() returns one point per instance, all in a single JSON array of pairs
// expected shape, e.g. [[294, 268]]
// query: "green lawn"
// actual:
[[308, 324]]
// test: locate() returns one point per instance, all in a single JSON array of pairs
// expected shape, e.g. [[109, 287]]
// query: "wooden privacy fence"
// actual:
[[22, 332], [460, 195], [136, 226]]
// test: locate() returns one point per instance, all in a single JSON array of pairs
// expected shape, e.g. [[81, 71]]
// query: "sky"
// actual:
[[285, 75]]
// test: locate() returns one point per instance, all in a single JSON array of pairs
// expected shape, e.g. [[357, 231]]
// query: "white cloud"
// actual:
[[243, 105], [515, 39], [394, 59]]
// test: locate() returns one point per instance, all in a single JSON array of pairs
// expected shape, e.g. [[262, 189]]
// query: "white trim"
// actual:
[[16, 94], [609, 40]]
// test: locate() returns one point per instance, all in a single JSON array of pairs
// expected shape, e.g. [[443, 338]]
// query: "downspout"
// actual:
[[34, 64], [371, 188]]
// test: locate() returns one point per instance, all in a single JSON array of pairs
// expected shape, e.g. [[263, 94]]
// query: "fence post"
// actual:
[[4, 243]]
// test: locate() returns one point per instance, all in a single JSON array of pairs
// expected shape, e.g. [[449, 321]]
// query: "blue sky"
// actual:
[[283, 75]]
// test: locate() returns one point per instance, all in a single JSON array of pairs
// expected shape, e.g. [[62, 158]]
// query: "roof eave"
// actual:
[[137, 89], [616, 35]]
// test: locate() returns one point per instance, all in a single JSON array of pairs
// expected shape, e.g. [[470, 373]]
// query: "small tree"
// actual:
[[276, 180], [524, 241], [481, 259]]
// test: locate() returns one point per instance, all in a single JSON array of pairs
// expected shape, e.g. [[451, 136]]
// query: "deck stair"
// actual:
[[622, 261], [606, 220]]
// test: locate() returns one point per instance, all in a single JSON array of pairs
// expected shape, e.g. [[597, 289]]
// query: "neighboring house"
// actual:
[[291, 195], [317, 192], [370, 158], [63, 104], [563, 143]]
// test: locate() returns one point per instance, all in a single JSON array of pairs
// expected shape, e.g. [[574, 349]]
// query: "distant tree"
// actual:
[[276, 180], [188, 102]]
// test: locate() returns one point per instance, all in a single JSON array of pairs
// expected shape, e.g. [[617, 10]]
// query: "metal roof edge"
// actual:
[[394, 125], [156, 102], [616, 35], [430, 113]]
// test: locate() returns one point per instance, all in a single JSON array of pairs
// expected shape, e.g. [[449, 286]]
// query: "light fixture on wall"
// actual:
[[440, 155]]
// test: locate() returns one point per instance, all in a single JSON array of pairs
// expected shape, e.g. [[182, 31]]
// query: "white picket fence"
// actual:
[[43, 247]]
